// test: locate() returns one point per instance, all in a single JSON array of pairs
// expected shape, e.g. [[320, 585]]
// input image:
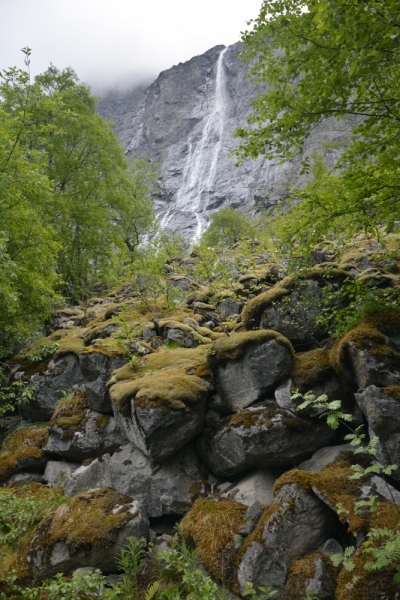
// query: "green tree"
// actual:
[[69, 201], [228, 226], [338, 59]]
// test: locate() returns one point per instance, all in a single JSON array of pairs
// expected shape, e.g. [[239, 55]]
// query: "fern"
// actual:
[[152, 591], [383, 545]]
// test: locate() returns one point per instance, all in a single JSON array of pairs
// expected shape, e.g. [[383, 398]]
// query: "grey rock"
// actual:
[[262, 436], [297, 527], [331, 547], [383, 415], [159, 431], [251, 377], [254, 512], [90, 439], [60, 374], [229, 307], [183, 338], [256, 487], [64, 557], [57, 472], [330, 386], [92, 476], [295, 315], [324, 456], [213, 419], [96, 369], [375, 364], [21, 479], [163, 488]]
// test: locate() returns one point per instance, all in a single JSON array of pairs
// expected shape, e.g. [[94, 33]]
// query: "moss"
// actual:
[[393, 391], [310, 368], [89, 519], [234, 346], [102, 422], [182, 360], [211, 526], [19, 447], [255, 307], [108, 347], [173, 391], [208, 333], [328, 273], [385, 321], [70, 413]]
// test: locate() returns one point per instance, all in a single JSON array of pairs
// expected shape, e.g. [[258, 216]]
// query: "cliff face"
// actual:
[[186, 120]]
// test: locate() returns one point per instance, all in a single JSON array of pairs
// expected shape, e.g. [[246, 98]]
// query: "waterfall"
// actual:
[[201, 163]]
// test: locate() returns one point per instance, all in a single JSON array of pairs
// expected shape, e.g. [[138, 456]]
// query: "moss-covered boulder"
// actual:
[[369, 354], [78, 433], [23, 450], [248, 366], [160, 406], [296, 524], [88, 532], [262, 436]]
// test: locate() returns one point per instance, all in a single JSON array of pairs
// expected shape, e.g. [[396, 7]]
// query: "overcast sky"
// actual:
[[117, 42]]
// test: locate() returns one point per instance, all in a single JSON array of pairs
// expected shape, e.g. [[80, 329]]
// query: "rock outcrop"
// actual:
[[185, 120]]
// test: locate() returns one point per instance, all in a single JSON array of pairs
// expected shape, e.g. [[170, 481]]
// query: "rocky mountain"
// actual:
[[186, 121]]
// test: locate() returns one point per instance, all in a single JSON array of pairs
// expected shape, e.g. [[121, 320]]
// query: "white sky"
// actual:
[[117, 42]]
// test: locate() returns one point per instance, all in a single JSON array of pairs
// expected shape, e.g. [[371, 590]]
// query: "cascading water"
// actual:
[[201, 164]]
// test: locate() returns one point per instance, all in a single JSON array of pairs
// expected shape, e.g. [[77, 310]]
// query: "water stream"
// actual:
[[201, 163]]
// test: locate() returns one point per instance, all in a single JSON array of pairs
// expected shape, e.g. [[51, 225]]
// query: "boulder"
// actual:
[[160, 413], [92, 435], [381, 407], [295, 315], [58, 471], [167, 488], [248, 366], [52, 376], [97, 369], [255, 487], [323, 457], [296, 524], [229, 307], [262, 436], [90, 531], [375, 362]]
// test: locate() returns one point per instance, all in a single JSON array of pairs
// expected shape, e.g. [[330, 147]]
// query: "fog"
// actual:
[[117, 43]]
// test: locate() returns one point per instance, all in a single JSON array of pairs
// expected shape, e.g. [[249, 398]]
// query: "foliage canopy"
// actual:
[[324, 59], [69, 201]]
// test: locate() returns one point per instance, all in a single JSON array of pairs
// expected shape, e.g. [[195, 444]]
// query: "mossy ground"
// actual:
[[211, 526]]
